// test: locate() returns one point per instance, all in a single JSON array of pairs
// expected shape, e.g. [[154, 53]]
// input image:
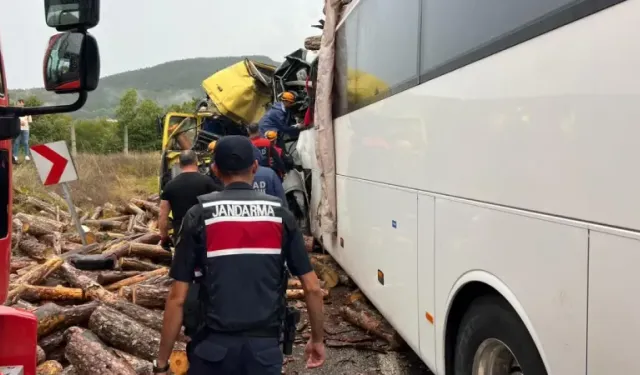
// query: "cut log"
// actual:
[[53, 240], [75, 237], [152, 225], [95, 291], [89, 356], [149, 251], [159, 281], [123, 248], [44, 206], [70, 246], [37, 228], [18, 263], [49, 368], [41, 221], [137, 279], [36, 250], [131, 223], [134, 264], [148, 206], [52, 318], [48, 215], [326, 271], [110, 277], [41, 356], [178, 362], [312, 43], [376, 326], [97, 212], [141, 366], [34, 277], [69, 370], [133, 209], [122, 332], [145, 295], [294, 284], [33, 293], [106, 224], [17, 233], [299, 293], [52, 342]]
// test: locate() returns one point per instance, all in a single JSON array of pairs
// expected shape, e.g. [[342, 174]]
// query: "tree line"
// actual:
[[102, 135]]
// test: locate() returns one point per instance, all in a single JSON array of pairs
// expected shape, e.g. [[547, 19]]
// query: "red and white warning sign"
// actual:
[[54, 163]]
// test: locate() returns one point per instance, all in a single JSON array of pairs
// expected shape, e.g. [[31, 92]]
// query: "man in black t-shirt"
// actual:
[[182, 192]]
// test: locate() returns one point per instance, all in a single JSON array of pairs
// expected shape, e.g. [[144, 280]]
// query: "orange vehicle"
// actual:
[[71, 65]]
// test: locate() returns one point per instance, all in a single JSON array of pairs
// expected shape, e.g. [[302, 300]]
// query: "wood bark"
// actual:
[[17, 233], [95, 291], [134, 264], [145, 295], [294, 284], [69, 246], [131, 223], [149, 251], [69, 370], [141, 366], [326, 270], [33, 276], [97, 212], [33, 293], [312, 43], [148, 206], [41, 221], [41, 356], [89, 356], [52, 342], [54, 241], [110, 277], [49, 368], [122, 249], [93, 262], [122, 332], [37, 228], [371, 324], [24, 305], [36, 250], [137, 279], [75, 237], [131, 208], [52, 318], [18, 263]]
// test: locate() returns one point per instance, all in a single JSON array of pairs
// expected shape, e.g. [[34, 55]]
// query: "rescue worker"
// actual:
[[240, 239], [279, 117], [267, 181], [181, 193], [270, 154]]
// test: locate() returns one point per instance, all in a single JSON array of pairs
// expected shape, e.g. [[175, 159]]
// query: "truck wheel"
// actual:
[[492, 340]]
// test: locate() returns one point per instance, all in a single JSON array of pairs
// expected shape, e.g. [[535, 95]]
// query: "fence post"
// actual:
[[74, 151], [126, 139]]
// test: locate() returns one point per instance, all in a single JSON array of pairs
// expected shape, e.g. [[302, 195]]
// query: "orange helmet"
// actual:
[[288, 97], [212, 146], [271, 135]]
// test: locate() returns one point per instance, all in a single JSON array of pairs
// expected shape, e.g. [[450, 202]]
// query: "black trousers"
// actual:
[[235, 355]]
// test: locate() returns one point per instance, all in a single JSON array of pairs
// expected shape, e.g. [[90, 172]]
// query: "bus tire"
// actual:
[[490, 335]]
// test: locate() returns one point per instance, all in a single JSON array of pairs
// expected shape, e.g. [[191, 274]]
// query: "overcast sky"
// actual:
[[134, 34]]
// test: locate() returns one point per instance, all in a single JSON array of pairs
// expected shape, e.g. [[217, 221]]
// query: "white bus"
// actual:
[[487, 179]]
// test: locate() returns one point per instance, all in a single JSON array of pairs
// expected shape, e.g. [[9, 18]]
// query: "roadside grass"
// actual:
[[114, 178]]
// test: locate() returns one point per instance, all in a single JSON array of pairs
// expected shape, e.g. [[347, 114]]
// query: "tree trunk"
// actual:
[[374, 325], [49, 368], [123, 249], [17, 233], [141, 366], [137, 279], [54, 240], [52, 342], [41, 356], [145, 295], [34, 293], [70, 246], [24, 305], [149, 206], [69, 370], [294, 284], [122, 332], [18, 263], [34, 277], [36, 250], [93, 262], [75, 237], [299, 293], [89, 356], [110, 277], [312, 43], [137, 265], [41, 221], [149, 251], [97, 212], [52, 318]]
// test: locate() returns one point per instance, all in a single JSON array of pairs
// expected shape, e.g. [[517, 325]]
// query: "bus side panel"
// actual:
[[614, 326], [543, 263], [379, 226], [550, 125], [426, 278]]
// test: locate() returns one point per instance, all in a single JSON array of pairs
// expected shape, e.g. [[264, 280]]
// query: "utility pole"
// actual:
[[126, 139], [74, 151]]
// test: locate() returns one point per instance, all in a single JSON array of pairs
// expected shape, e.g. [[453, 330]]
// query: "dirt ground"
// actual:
[[350, 350]]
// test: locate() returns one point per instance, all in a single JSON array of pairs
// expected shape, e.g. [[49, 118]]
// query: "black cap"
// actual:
[[234, 153]]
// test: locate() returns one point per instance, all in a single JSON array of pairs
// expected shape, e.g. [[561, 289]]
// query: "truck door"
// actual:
[[178, 133]]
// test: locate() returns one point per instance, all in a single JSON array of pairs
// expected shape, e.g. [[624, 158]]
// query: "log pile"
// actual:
[[99, 306]]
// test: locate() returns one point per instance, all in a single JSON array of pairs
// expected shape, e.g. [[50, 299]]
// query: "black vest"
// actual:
[[243, 268]]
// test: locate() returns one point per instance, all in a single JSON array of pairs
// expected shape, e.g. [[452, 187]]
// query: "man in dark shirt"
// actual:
[[239, 239], [182, 192]]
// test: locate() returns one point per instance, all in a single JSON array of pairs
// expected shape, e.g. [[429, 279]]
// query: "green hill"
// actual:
[[167, 83]]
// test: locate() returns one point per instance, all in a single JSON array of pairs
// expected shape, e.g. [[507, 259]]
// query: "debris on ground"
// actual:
[[99, 306]]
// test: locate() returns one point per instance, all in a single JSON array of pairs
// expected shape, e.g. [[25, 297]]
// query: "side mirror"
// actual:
[[159, 125], [72, 14], [72, 63]]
